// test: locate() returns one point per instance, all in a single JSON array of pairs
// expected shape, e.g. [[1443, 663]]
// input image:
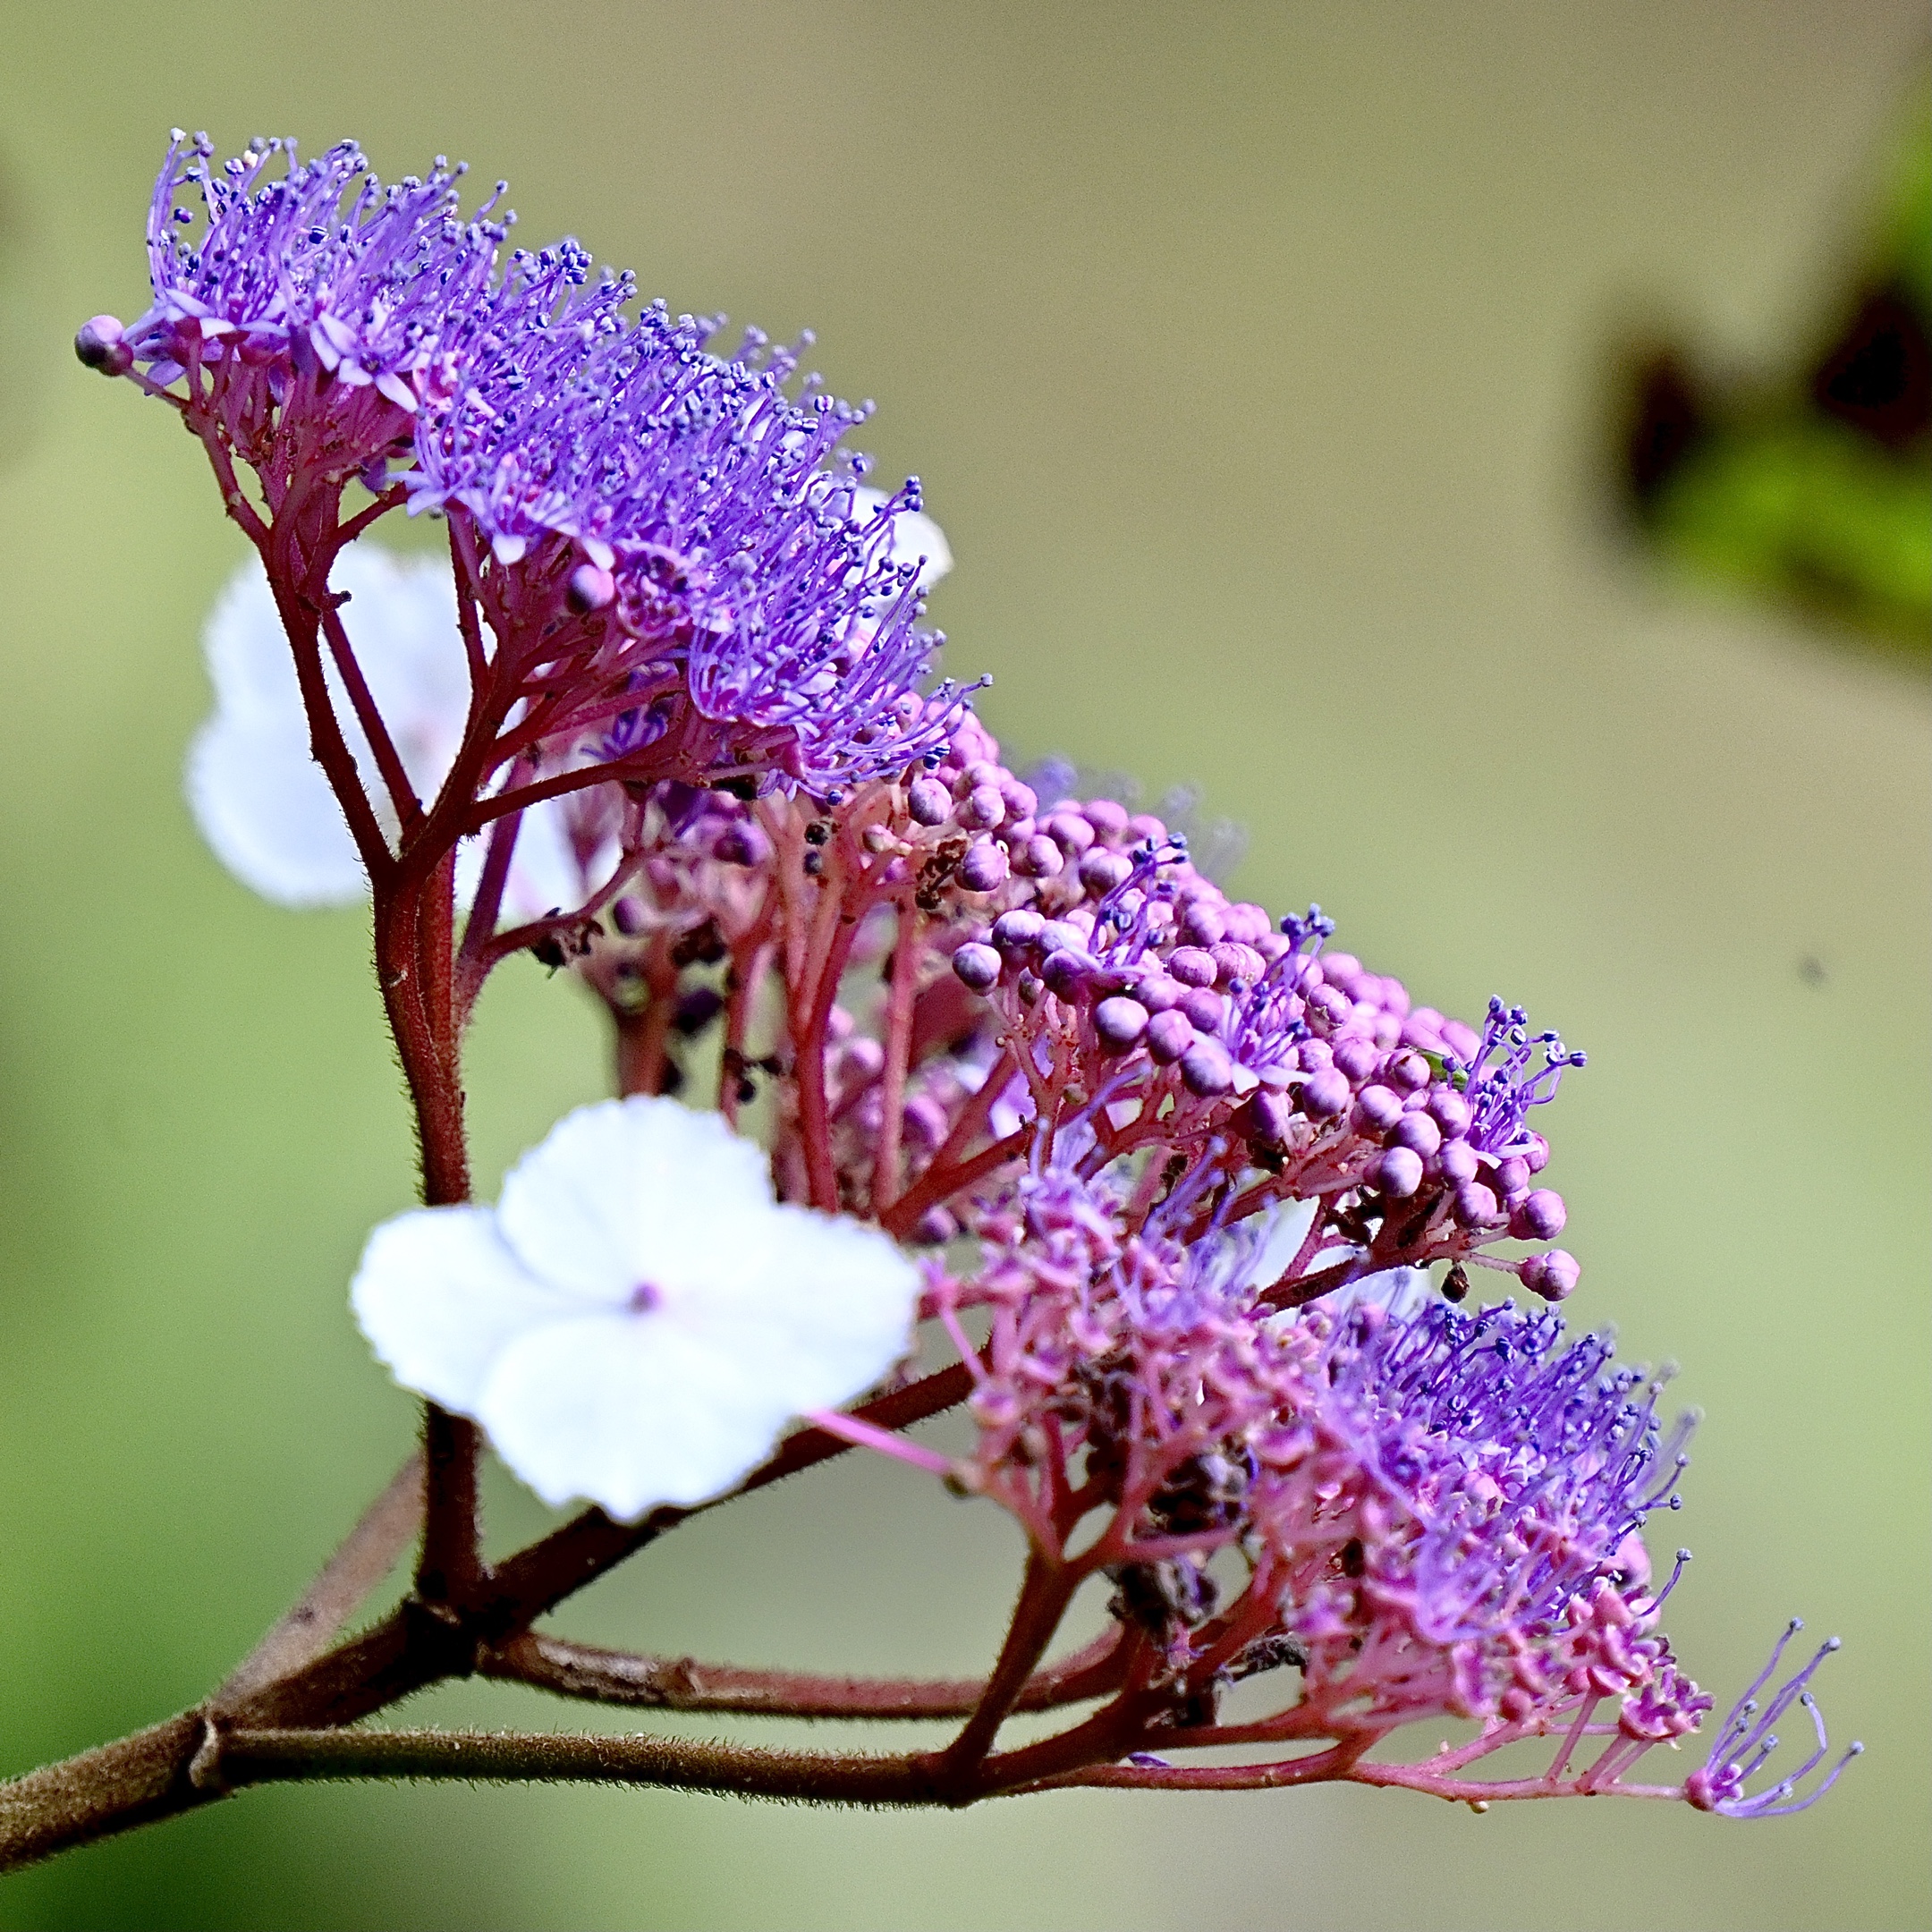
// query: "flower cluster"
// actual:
[[681, 572], [1181, 1170], [1189, 1166]]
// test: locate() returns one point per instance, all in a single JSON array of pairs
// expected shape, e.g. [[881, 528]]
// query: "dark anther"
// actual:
[[1412, 1228], [1269, 1653], [695, 1010], [702, 946], [1354, 1559], [818, 831], [936, 874], [1455, 1282]]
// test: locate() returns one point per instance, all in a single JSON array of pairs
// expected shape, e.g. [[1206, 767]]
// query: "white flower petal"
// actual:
[[440, 1296], [268, 815], [629, 1411], [638, 1190], [826, 1316]]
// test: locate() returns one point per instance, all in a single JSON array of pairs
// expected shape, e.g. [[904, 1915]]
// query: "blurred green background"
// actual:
[[1255, 361]]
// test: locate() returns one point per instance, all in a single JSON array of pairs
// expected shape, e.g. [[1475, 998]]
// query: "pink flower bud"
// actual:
[[1169, 1036], [928, 802], [1376, 1110], [1325, 1094], [1552, 1274], [984, 867], [1539, 1215], [1397, 1172], [1122, 1024], [1206, 1070], [976, 967], [99, 345]]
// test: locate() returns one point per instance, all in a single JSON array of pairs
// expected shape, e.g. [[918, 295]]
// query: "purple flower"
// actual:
[[1748, 1744], [733, 530], [1525, 1465], [684, 568], [316, 290]]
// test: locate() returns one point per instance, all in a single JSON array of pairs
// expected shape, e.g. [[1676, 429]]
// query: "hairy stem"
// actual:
[[366, 1557], [599, 1676]]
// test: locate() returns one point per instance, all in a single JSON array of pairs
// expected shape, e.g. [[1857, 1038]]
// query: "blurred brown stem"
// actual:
[[601, 1676], [366, 1554]]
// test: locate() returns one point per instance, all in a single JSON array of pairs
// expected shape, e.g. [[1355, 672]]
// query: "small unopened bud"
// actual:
[[984, 867], [590, 588], [1015, 931], [1039, 858], [1202, 925], [930, 803], [976, 967], [1191, 966], [99, 345], [1407, 1073], [1398, 1172], [1325, 1094], [1169, 1036], [1376, 1110], [1100, 870], [982, 809], [1356, 1057], [1539, 1215], [1551, 1276], [1206, 1070], [1064, 970], [1122, 1024], [1071, 832], [1205, 1007], [1475, 1206]]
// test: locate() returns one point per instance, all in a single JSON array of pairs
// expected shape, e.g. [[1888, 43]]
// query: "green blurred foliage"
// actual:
[[1250, 372], [1814, 484]]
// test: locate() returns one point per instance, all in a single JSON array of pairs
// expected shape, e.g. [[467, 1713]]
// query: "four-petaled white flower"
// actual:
[[638, 1319], [261, 801]]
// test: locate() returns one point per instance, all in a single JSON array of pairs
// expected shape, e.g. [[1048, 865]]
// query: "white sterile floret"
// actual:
[[638, 1319], [260, 799]]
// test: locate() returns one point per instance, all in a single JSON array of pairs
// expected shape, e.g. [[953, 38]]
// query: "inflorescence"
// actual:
[[1178, 1169]]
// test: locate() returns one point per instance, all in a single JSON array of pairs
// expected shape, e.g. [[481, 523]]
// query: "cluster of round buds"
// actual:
[[1195, 1019]]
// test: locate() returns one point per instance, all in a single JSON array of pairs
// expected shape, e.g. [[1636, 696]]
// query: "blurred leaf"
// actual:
[[1813, 484]]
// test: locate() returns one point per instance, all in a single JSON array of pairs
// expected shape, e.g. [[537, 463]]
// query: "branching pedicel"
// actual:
[[1174, 1168]]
